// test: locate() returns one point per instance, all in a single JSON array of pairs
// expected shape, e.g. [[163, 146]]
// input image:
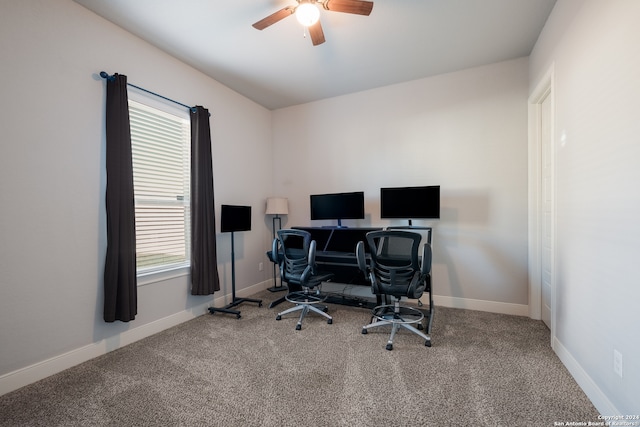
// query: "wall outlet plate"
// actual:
[[617, 362]]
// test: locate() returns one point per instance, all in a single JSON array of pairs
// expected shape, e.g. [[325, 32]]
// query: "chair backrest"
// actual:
[[298, 255], [396, 268]]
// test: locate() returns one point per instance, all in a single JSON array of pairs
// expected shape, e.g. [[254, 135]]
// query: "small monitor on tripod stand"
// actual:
[[234, 218]]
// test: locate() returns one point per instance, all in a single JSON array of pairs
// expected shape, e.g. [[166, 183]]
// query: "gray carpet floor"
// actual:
[[483, 369]]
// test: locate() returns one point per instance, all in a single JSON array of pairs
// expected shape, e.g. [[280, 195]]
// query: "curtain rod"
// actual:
[[105, 75]]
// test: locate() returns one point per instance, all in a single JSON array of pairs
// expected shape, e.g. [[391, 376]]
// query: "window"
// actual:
[[160, 144]]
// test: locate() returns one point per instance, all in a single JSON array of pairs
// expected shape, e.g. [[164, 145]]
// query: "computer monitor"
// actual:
[[410, 202], [337, 206], [235, 218]]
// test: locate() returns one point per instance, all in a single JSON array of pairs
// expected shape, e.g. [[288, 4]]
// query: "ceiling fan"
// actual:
[[308, 14]]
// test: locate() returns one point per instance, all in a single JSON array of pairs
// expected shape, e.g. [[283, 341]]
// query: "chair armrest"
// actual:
[[306, 275], [362, 260], [274, 256], [312, 253], [364, 267], [427, 254]]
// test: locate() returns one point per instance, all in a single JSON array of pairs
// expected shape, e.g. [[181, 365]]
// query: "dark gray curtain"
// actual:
[[120, 280], [204, 265]]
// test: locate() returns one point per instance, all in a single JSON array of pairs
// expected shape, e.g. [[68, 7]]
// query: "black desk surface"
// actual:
[[338, 240]]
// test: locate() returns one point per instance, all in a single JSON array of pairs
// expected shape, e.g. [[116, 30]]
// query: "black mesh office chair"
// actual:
[[298, 270], [395, 269]]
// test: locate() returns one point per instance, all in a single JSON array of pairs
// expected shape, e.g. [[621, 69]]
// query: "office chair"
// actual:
[[298, 270], [396, 270]]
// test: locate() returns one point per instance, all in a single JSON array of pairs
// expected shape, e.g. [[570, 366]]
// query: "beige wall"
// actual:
[[52, 182], [465, 131], [592, 48]]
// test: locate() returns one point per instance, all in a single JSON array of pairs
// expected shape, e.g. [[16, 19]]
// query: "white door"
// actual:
[[546, 247]]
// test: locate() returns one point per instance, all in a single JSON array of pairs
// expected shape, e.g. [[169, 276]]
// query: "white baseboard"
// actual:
[[482, 305], [30, 374], [593, 392], [38, 371], [244, 293], [438, 300]]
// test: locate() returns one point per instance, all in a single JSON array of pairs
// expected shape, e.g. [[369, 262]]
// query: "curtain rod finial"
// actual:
[[106, 76]]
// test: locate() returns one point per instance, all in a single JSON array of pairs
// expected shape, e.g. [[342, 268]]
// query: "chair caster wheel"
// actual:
[[364, 331], [278, 317], [389, 347], [427, 343], [298, 327], [330, 321], [259, 304], [238, 316]]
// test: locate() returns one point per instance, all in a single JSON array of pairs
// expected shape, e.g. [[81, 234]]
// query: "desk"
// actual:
[[336, 254]]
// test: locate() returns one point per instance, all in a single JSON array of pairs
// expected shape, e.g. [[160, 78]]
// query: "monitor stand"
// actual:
[[336, 226], [234, 301]]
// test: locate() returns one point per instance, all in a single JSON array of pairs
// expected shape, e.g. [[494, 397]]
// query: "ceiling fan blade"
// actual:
[[316, 33], [358, 7], [274, 17]]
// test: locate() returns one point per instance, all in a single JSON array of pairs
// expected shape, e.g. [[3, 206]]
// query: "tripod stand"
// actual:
[[234, 301]]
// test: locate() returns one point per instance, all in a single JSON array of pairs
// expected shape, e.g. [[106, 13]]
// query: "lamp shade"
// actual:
[[277, 206]]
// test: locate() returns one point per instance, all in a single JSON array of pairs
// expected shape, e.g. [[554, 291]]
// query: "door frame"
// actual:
[[545, 88]]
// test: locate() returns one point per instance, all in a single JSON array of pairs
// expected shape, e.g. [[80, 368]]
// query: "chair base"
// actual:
[[305, 302], [397, 317]]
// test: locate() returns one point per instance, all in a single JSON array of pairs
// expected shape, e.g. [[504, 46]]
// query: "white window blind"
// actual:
[[160, 144]]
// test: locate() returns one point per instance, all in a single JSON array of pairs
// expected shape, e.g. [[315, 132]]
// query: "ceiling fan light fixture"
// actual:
[[307, 14]]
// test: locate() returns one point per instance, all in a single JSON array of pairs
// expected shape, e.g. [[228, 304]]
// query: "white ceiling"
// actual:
[[401, 40]]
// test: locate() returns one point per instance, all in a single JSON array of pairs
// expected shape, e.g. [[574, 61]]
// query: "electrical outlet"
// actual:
[[260, 266], [617, 362]]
